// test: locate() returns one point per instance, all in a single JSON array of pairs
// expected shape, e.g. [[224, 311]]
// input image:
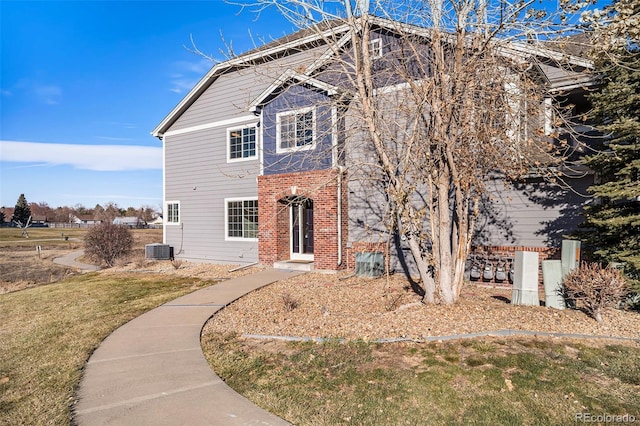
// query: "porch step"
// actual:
[[294, 265]]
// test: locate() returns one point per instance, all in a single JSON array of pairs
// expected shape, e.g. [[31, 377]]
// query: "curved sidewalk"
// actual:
[[69, 259], [151, 371]]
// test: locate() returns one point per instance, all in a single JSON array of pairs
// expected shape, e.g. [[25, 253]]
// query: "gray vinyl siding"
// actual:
[[533, 213], [197, 174], [368, 211], [199, 177], [230, 95], [226, 98]]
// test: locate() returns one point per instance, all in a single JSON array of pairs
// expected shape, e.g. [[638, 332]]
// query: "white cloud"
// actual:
[[111, 138], [187, 74], [88, 157], [48, 94], [199, 67], [121, 124], [180, 85]]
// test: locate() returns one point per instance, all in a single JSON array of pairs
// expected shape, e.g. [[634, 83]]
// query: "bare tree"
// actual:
[[454, 100]]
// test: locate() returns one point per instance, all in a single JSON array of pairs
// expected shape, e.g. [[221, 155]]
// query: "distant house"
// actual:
[[39, 220], [156, 223], [241, 185], [130, 221], [84, 219]]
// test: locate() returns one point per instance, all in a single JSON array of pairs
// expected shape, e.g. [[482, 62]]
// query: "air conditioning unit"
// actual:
[[369, 264], [157, 251]]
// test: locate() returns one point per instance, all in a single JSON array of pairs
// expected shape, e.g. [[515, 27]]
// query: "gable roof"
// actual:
[[316, 34], [291, 75], [322, 33]]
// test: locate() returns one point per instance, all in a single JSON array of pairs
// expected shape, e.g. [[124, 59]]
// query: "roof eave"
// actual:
[[218, 69], [188, 100]]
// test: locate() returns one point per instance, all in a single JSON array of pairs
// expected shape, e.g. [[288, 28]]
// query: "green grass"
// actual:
[[47, 334], [480, 381], [53, 235]]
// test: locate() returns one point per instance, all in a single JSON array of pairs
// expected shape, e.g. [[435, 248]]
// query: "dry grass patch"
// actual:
[[480, 381], [23, 266], [47, 334]]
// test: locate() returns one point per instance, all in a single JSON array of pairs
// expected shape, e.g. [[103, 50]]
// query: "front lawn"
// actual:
[[488, 381], [47, 334]]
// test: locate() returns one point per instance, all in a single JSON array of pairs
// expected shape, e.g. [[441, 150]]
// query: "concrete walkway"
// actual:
[[151, 371], [69, 259]]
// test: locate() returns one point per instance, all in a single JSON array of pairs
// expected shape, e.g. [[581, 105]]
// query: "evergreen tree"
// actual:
[[22, 211], [2, 216], [612, 223]]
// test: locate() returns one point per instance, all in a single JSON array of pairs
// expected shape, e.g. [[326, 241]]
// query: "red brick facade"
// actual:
[[274, 228], [273, 215]]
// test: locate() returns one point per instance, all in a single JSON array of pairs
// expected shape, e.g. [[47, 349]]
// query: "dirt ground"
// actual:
[[320, 305], [22, 265]]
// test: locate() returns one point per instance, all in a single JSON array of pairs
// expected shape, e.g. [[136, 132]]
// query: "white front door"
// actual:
[[301, 219]]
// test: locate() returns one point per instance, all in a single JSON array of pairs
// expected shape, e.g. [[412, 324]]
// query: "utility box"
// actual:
[[552, 278], [157, 251], [369, 264], [570, 256], [525, 280]]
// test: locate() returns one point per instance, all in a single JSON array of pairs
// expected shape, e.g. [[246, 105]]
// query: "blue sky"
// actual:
[[83, 83]]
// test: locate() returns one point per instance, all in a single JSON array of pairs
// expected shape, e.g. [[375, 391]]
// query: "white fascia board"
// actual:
[[245, 119], [400, 26], [304, 79], [241, 60], [556, 88], [291, 75], [221, 67], [193, 93], [521, 50], [272, 87], [528, 50], [331, 52]]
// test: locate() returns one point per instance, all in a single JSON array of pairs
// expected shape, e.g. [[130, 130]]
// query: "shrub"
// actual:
[[289, 302], [108, 242], [595, 288]]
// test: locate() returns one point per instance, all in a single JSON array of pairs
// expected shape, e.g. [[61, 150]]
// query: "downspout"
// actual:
[[340, 171], [163, 139], [335, 158]]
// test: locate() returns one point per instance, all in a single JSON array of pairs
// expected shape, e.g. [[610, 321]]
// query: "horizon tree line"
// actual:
[[62, 214]]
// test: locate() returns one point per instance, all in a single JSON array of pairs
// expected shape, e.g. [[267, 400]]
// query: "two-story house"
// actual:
[[258, 168]]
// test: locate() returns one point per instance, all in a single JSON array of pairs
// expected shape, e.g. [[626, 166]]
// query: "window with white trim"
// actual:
[[375, 48], [241, 143], [241, 218], [172, 212], [296, 129]]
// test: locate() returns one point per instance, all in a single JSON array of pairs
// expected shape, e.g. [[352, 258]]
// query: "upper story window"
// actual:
[[241, 143], [375, 48], [173, 212], [296, 129]]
